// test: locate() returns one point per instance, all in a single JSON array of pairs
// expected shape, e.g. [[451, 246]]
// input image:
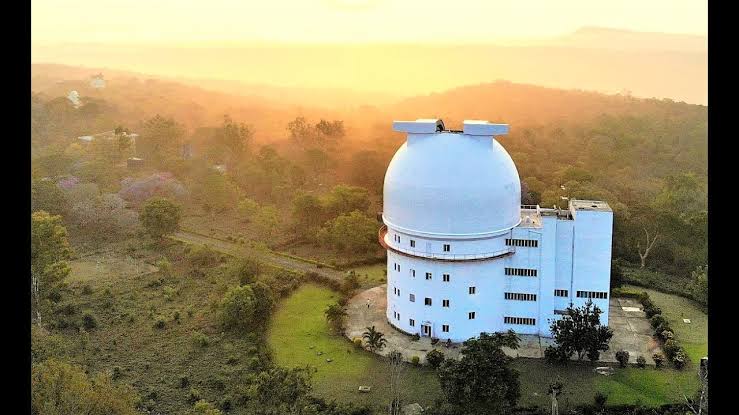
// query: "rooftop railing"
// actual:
[[382, 233]]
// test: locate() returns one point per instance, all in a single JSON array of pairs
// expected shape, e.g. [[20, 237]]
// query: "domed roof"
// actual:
[[452, 184]]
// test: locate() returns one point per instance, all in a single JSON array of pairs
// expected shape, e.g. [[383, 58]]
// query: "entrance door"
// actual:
[[426, 330]]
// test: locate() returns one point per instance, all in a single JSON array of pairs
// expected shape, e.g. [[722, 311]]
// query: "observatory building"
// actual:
[[463, 255]]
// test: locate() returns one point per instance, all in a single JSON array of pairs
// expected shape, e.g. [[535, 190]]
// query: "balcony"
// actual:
[[438, 256]]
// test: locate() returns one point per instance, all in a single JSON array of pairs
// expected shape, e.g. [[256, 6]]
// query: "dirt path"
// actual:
[[270, 258]]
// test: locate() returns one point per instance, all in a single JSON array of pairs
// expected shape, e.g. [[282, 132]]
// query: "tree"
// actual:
[[648, 245], [160, 140], [245, 270], [579, 331], [435, 358], [231, 141], [247, 208], [266, 221], [160, 217], [699, 285], [344, 199], [622, 356], [264, 302], [335, 315], [49, 252], [375, 340], [280, 391], [215, 191], [307, 214], [47, 196], [368, 170], [555, 389], [482, 380], [59, 388], [238, 308], [354, 232], [395, 361]]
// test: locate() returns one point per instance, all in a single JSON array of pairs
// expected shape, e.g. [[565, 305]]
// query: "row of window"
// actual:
[[471, 315], [561, 293], [520, 296], [521, 272], [447, 247], [592, 294], [520, 320], [529, 243]]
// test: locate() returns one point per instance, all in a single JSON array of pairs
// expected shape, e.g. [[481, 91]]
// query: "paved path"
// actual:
[[631, 331], [238, 250]]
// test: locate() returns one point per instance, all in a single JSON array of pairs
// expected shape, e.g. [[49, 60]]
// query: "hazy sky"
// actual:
[[339, 21]]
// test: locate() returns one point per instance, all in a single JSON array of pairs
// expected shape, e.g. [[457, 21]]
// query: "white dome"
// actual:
[[451, 184]]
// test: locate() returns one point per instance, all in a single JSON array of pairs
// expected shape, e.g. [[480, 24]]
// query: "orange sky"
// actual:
[[341, 21]]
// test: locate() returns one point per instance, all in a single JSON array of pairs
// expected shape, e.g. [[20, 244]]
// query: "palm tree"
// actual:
[[375, 340]]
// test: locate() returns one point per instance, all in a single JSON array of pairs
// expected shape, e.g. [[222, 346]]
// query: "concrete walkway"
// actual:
[[631, 331]]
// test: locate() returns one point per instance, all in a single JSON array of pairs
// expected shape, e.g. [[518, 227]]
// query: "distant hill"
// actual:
[[605, 60]]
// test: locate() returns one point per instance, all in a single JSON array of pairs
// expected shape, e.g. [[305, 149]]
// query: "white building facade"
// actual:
[[463, 255]]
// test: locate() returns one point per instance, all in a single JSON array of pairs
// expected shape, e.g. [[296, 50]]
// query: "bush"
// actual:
[[652, 310], [184, 381], [666, 335], [88, 321], [86, 289], [415, 360], [623, 358], [659, 360], [554, 354], [434, 358], [434, 340], [357, 342], [200, 339], [193, 396], [641, 362], [670, 348], [679, 359], [657, 320], [160, 323], [117, 372], [416, 337]]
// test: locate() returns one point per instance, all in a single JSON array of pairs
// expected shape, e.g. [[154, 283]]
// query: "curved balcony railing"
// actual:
[[382, 233]]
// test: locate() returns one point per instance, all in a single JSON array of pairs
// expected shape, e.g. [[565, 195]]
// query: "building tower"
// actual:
[[465, 257]]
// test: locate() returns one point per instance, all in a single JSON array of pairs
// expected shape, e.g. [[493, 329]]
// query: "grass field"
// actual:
[[299, 323], [299, 332], [371, 275]]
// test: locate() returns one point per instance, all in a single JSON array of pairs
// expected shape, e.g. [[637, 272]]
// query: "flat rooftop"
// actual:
[[593, 205]]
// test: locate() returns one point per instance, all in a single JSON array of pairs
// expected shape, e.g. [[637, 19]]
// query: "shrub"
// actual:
[[434, 358], [86, 289], [623, 358], [193, 396], [204, 256], [160, 323], [670, 348], [357, 342], [641, 362], [657, 320], [117, 372], [200, 339], [88, 321], [184, 381], [679, 359], [226, 403], [416, 337], [666, 335], [652, 311], [415, 360], [659, 359], [434, 340]]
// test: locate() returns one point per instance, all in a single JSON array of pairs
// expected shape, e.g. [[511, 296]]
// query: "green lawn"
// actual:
[[694, 336], [371, 275], [299, 324]]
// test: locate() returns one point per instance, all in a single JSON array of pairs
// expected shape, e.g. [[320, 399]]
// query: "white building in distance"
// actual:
[[463, 255]]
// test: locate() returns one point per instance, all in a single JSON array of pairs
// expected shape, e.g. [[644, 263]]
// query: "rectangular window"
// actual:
[[413, 273], [427, 301], [395, 290], [471, 315], [561, 293], [527, 243], [413, 243], [592, 294], [428, 275], [395, 266], [445, 328], [445, 303], [521, 272], [472, 290], [412, 297], [520, 321], [446, 277], [412, 322], [398, 267], [447, 247], [398, 292], [520, 296], [560, 312]]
